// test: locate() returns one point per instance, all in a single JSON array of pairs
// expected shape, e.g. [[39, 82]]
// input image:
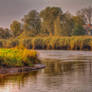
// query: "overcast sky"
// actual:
[[15, 9]]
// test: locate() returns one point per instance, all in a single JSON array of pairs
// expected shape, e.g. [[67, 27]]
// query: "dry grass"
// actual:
[[51, 42]]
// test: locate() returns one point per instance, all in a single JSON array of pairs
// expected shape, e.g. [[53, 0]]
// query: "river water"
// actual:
[[66, 71]]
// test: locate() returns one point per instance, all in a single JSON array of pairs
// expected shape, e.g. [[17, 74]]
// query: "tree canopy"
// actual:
[[31, 23], [16, 28], [78, 30], [51, 21]]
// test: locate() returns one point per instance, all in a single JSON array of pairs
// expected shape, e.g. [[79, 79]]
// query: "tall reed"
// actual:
[[51, 42]]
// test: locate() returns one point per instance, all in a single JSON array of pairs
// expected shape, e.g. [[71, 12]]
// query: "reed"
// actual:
[[63, 43], [51, 42]]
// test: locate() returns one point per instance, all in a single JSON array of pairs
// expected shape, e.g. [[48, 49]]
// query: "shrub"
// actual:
[[17, 57]]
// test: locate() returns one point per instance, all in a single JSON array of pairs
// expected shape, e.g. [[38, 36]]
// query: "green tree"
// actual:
[[78, 20], [66, 24], [16, 28], [32, 23], [78, 30]]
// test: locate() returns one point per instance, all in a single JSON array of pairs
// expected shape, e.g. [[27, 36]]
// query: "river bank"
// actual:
[[69, 71], [13, 61], [50, 43], [18, 70]]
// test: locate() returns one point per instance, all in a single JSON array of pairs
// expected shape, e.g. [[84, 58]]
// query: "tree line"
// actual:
[[51, 21]]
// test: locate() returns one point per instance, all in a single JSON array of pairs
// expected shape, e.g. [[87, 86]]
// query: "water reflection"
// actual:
[[56, 68], [19, 79], [16, 82], [68, 75]]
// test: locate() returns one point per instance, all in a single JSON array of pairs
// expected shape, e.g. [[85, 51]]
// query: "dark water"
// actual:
[[66, 71]]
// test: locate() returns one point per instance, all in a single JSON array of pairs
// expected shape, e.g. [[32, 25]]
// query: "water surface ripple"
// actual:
[[66, 71]]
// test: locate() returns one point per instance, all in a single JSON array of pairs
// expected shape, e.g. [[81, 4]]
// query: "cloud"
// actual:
[[15, 9]]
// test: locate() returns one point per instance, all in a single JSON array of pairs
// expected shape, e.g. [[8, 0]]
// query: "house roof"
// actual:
[[88, 26]]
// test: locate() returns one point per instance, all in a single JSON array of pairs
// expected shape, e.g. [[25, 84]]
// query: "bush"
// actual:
[[17, 57]]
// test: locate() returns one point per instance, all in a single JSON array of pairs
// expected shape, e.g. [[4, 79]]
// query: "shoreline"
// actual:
[[17, 70]]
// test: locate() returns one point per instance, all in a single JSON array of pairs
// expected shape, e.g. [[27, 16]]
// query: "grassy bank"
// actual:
[[53, 42], [17, 57], [63, 43]]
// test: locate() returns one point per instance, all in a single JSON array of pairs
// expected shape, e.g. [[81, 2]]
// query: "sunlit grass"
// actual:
[[51, 42], [67, 43], [17, 57]]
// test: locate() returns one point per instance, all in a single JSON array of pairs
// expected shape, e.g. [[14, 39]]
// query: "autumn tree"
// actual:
[[8, 33], [31, 23], [16, 28], [66, 24], [78, 20], [5, 33], [50, 17], [86, 14]]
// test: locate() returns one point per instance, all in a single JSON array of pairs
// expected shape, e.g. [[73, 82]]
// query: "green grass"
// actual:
[[17, 57]]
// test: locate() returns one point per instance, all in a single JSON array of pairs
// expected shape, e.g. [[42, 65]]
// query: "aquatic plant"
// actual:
[[50, 42]]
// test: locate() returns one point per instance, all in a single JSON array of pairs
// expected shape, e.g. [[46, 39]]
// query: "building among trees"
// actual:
[[88, 28]]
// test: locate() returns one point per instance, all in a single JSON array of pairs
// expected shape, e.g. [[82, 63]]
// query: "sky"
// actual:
[[15, 9]]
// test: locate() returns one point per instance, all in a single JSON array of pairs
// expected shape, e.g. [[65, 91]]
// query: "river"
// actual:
[[66, 71]]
